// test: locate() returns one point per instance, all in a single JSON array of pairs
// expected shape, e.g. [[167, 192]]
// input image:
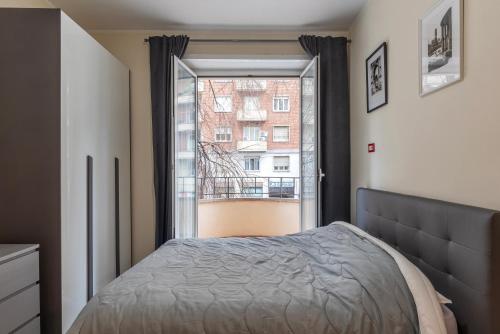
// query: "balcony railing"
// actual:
[[252, 85], [250, 187], [251, 146], [252, 115]]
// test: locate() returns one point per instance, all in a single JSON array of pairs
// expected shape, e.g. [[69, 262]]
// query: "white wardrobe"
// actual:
[[65, 137]]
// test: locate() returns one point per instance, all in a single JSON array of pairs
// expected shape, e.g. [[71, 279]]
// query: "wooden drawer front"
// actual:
[[18, 274], [33, 327], [19, 309]]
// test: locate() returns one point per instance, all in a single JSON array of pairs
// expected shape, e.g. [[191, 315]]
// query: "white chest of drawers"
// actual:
[[19, 289]]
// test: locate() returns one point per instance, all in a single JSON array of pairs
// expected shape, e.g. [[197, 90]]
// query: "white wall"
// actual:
[[444, 145], [129, 47]]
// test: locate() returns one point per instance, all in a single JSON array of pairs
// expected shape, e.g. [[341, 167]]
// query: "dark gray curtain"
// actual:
[[161, 48], [334, 126]]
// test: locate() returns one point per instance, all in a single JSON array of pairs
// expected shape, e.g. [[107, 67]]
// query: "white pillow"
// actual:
[[449, 320], [443, 300]]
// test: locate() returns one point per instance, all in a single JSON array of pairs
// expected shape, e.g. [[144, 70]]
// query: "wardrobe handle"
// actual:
[[90, 216], [117, 216]]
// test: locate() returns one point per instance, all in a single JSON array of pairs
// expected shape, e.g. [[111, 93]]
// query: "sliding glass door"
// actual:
[[310, 173], [185, 150]]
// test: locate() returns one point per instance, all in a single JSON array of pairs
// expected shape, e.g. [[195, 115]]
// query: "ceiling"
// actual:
[[212, 14]]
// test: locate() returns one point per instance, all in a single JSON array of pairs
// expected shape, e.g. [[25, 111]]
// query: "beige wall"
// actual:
[[130, 48], [255, 217], [445, 145], [26, 3]]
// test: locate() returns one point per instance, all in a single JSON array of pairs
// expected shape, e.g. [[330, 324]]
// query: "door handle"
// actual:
[[321, 175]]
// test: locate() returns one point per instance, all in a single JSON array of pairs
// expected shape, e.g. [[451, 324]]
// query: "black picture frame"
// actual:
[[385, 94]]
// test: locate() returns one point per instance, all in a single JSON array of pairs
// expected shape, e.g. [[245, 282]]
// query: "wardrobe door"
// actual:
[[124, 218], [110, 102], [79, 143], [94, 113], [119, 155]]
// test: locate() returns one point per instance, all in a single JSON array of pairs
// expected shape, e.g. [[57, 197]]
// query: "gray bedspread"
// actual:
[[326, 280]]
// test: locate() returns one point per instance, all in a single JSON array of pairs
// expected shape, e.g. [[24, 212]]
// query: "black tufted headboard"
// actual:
[[456, 246]]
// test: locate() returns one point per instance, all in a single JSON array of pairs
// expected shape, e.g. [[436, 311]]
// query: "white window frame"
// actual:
[[217, 104], [277, 98], [253, 157], [258, 132], [223, 130], [201, 85], [256, 106], [276, 166], [275, 140]]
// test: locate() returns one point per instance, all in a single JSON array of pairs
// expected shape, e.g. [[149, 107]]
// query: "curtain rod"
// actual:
[[232, 40]]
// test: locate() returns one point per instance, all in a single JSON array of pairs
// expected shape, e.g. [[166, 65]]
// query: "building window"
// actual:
[[281, 164], [223, 104], [251, 103], [252, 163], [281, 104], [223, 188], [223, 134], [186, 141], [281, 134], [251, 133], [253, 191], [186, 168], [282, 188]]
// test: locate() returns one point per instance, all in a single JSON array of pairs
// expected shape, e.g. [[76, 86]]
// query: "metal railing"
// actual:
[[236, 187], [251, 85]]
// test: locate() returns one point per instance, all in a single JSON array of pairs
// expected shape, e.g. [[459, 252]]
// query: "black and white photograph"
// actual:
[[376, 78], [440, 46]]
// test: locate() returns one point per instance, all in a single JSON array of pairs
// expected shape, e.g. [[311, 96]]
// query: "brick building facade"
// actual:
[[257, 123]]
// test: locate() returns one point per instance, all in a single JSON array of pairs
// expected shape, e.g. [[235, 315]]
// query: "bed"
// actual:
[[334, 279]]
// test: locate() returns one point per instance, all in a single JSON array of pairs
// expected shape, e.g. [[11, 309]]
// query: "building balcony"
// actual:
[[251, 146], [252, 115], [248, 206], [248, 217], [251, 85]]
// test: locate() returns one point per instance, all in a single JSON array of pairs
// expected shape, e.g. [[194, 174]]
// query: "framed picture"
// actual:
[[441, 44], [376, 78]]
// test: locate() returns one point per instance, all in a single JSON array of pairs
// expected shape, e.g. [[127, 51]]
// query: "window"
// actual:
[[223, 134], [223, 104], [186, 141], [223, 188], [251, 133], [281, 133], [201, 85], [253, 191], [251, 103], [281, 104], [282, 188], [252, 163], [185, 184], [281, 164]]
